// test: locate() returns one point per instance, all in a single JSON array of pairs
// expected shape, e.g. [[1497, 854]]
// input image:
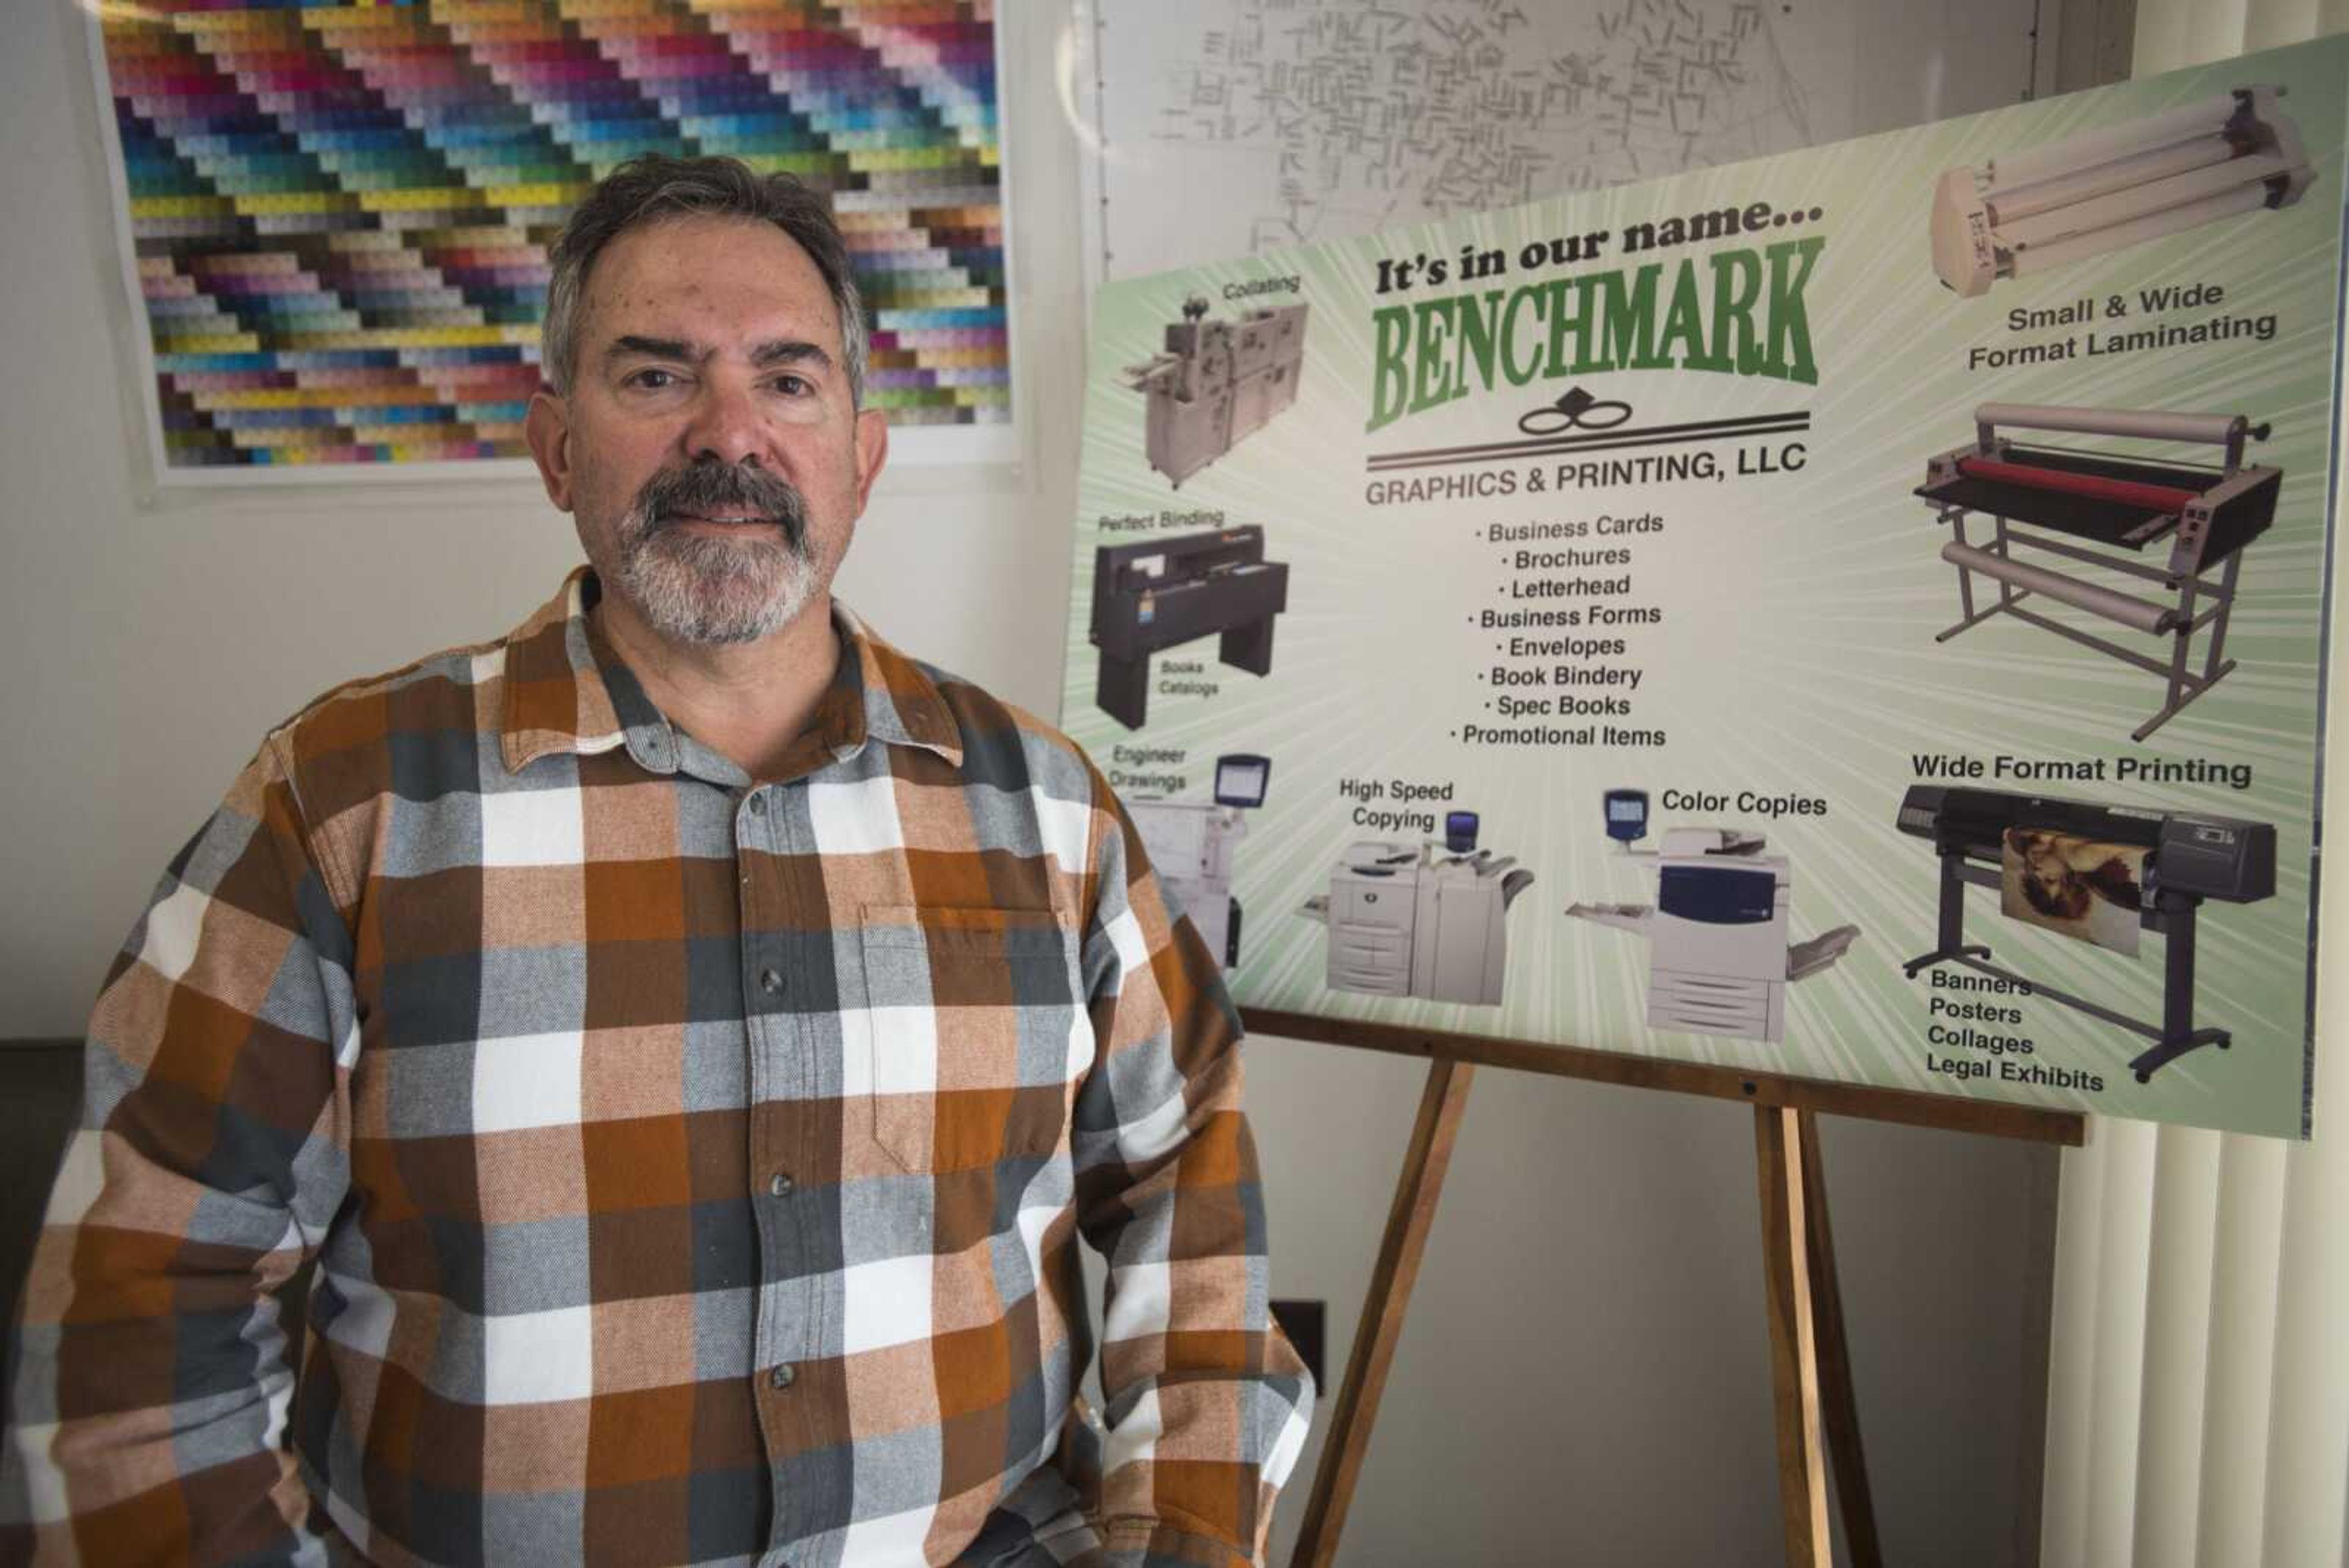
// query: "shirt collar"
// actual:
[[566, 691]]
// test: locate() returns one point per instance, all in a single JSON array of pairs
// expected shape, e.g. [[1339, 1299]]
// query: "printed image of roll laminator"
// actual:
[[1159, 593], [2108, 512], [2187, 858], [1428, 921], [1217, 383], [1719, 961], [1190, 844], [2025, 213]]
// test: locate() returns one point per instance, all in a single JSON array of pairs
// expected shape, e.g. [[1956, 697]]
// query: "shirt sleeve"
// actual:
[[150, 1385], [1207, 1402]]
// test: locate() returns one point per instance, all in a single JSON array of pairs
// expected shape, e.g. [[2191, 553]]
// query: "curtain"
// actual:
[[2199, 1376]]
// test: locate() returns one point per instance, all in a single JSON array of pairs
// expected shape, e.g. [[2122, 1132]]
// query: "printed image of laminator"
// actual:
[[1217, 383], [1719, 961], [2106, 511], [1190, 844], [1428, 921], [2187, 858], [2023, 214], [1158, 592]]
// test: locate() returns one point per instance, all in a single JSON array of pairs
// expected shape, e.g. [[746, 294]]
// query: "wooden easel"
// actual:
[[1810, 1369]]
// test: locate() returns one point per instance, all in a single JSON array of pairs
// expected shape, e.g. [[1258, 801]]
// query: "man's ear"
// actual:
[[547, 427], [872, 452]]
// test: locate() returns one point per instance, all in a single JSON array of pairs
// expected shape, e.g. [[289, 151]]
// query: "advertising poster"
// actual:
[[1856, 614], [336, 217]]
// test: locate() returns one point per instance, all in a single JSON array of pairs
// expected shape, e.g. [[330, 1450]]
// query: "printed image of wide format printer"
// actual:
[[2106, 511], [1157, 593], [1190, 844], [1217, 383], [2022, 213], [2188, 857], [1718, 959], [1430, 920]]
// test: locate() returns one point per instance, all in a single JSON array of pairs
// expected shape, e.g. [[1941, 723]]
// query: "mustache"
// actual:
[[701, 488]]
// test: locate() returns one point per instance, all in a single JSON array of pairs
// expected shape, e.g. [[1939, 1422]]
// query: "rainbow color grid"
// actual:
[[340, 213]]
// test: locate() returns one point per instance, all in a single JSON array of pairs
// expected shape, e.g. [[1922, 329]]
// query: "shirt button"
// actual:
[[781, 1375], [758, 805], [769, 982], [780, 1185]]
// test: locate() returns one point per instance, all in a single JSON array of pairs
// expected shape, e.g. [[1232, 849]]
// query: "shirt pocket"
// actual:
[[975, 1034]]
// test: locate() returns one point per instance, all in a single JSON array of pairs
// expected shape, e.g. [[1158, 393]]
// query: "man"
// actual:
[[689, 1036]]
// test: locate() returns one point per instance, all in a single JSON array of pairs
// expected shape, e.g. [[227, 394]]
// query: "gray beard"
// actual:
[[707, 591], [713, 591]]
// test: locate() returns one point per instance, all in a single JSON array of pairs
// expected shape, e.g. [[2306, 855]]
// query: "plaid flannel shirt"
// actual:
[[694, 1167]]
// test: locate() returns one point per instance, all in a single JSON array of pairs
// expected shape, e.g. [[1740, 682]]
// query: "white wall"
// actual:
[[1584, 1376]]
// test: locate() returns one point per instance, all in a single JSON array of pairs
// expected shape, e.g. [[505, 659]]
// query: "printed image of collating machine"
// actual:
[[2056, 861], [1159, 593], [1217, 383], [1719, 961], [2106, 511], [2022, 213]]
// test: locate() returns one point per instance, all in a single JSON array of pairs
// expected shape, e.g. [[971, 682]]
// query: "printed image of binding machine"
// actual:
[[1217, 383], [2053, 859], [2023, 214], [1719, 961], [1159, 593], [1190, 844], [2108, 512], [1430, 920]]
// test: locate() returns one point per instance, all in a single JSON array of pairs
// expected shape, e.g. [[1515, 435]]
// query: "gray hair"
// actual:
[[654, 187]]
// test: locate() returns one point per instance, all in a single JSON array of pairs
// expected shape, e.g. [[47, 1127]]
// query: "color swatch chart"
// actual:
[[341, 213]]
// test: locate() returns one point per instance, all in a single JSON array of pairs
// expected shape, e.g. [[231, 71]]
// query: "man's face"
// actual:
[[707, 447]]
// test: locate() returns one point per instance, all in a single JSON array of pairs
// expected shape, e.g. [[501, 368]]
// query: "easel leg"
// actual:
[[1841, 1410], [1375, 1337], [1786, 1272]]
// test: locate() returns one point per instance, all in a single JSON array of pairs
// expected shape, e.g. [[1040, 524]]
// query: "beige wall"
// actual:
[[1584, 1378]]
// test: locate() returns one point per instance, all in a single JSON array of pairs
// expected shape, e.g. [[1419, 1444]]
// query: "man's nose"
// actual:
[[726, 424]]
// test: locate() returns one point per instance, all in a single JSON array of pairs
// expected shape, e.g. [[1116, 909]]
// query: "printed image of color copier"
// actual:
[[1429, 922], [1719, 961], [1190, 845]]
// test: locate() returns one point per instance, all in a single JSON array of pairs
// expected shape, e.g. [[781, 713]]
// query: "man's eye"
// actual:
[[652, 379], [793, 386]]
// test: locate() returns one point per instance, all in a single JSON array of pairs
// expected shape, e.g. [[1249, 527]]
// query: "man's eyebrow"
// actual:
[[791, 351], [676, 349]]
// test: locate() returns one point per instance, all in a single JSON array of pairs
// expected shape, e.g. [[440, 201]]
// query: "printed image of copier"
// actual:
[[1719, 961], [1156, 594], [1429, 922], [1190, 844], [1217, 383]]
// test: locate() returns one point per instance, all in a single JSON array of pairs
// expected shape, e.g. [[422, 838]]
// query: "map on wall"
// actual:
[[336, 217], [1229, 126]]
